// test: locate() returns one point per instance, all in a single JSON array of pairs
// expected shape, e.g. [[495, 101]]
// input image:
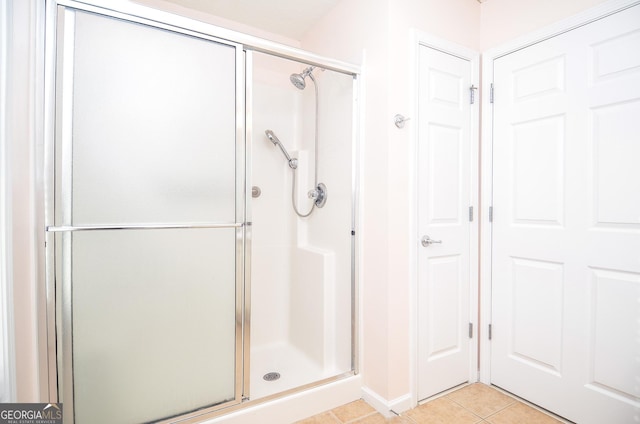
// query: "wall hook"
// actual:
[[399, 120]]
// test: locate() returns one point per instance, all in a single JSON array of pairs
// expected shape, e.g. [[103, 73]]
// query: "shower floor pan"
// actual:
[[295, 368]]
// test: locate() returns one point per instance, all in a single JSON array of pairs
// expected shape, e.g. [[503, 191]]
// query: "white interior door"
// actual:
[[445, 196], [566, 222]]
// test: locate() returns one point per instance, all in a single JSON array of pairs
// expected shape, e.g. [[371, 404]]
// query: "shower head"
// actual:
[[272, 137], [293, 162], [298, 79]]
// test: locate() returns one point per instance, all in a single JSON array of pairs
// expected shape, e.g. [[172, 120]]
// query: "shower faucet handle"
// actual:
[[318, 195]]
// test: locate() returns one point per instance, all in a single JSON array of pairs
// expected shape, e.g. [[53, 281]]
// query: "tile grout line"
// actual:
[[481, 418], [372, 413], [335, 417], [513, 403], [444, 394], [408, 418], [359, 418], [533, 405]]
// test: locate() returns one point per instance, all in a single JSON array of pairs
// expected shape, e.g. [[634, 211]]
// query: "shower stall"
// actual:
[[200, 217], [301, 267]]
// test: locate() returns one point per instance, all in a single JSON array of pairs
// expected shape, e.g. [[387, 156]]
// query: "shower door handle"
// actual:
[[428, 241]]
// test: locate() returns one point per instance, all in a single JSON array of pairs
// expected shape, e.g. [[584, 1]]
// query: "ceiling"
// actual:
[[290, 18]]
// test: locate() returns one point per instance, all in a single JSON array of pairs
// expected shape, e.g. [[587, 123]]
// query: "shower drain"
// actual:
[[271, 376]]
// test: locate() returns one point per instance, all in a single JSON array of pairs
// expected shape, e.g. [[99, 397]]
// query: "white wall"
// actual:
[[21, 132], [214, 20], [381, 29], [504, 20], [6, 306], [453, 20]]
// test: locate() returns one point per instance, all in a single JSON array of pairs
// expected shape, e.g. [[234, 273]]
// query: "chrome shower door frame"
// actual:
[[57, 198]]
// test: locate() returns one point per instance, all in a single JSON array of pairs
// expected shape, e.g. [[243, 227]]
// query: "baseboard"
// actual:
[[401, 404], [388, 408]]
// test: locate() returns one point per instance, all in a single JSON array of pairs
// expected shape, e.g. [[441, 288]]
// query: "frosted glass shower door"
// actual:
[[148, 230]]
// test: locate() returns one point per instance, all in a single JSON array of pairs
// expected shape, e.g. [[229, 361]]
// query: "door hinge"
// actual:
[[472, 90], [490, 332], [490, 213], [491, 94], [470, 213], [471, 330]]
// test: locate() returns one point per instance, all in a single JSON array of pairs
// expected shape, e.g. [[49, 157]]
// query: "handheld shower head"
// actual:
[[293, 162], [272, 137], [298, 79]]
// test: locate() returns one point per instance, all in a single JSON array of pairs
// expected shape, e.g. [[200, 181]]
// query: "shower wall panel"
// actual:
[[274, 107], [330, 230]]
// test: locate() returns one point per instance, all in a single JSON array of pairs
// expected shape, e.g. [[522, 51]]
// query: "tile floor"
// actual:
[[472, 404]]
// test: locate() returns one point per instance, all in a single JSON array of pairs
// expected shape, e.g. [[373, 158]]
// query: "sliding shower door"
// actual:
[[148, 216]]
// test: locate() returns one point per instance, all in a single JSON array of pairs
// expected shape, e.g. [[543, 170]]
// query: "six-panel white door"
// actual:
[[444, 184], [566, 222]]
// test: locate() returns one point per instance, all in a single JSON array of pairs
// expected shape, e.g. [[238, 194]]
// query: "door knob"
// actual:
[[428, 241]]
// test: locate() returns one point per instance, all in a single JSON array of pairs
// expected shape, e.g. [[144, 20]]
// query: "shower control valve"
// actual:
[[319, 195]]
